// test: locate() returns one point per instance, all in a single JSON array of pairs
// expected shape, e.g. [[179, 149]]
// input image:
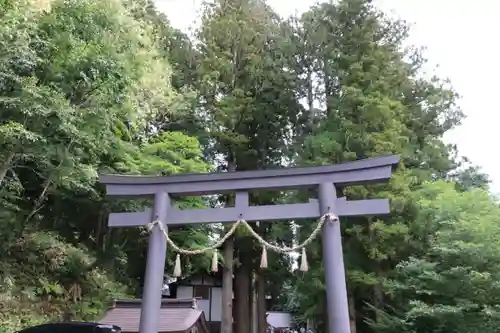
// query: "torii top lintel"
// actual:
[[364, 171]]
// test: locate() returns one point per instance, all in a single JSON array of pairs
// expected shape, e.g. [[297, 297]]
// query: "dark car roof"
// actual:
[[70, 323]]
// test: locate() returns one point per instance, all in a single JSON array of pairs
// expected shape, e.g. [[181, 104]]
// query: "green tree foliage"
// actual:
[[452, 286], [82, 84], [372, 102], [249, 100], [248, 107]]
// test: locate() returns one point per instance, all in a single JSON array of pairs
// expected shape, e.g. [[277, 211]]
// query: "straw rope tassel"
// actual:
[[215, 262], [263, 258], [177, 267], [304, 267]]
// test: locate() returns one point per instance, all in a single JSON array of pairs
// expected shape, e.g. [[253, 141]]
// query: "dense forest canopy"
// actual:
[[92, 86]]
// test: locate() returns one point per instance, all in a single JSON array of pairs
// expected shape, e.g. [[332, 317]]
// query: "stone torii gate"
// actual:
[[326, 178]]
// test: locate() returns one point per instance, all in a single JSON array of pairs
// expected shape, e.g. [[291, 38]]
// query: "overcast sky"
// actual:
[[460, 39]]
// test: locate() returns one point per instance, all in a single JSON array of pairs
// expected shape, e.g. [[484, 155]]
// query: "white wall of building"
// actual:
[[274, 318], [213, 314], [279, 319], [184, 292], [204, 305], [216, 304]]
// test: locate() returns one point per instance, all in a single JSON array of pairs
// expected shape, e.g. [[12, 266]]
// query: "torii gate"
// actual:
[[324, 177]]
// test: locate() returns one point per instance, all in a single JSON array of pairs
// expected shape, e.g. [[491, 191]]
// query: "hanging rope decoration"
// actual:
[[304, 267]]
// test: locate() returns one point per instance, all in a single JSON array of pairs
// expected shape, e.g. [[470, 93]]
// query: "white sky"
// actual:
[[460, 39]]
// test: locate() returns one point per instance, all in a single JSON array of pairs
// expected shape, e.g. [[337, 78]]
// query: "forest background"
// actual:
[[93, 86]]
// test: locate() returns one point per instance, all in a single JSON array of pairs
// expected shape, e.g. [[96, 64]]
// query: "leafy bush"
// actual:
[[44, 278]]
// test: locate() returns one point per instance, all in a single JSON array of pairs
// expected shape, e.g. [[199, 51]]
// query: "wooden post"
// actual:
[[155, 266]]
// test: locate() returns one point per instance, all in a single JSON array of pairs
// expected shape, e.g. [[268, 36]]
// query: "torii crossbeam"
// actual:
[[324, 177]]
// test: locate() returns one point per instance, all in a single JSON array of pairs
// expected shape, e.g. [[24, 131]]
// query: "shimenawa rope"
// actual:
[[304, 267]]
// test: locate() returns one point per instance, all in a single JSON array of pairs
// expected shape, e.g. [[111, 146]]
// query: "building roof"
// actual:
[[175, 316]]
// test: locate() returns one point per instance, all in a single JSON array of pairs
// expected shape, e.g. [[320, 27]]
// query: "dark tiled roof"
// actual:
[[188, 303], [175, 316]]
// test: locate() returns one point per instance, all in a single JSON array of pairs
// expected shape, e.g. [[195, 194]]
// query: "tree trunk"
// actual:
[[227, 271], [378, 300], [378, 295], [253, 306], [227, 287], [6, 165], [352, 313], [261, 302], [328, 87], [243, 286], [326, 323], [310, 88]]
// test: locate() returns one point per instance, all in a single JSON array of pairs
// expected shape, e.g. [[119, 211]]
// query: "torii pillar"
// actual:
[[325, 178]]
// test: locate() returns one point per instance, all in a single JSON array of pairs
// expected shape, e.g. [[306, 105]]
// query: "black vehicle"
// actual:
[[72, 327]]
